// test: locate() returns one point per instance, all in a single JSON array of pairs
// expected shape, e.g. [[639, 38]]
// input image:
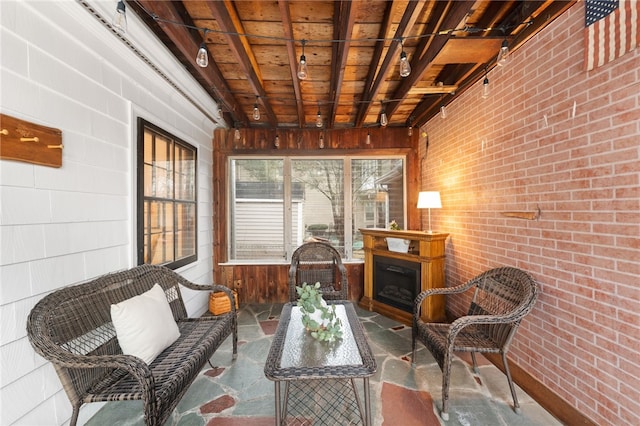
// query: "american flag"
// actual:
[[612, 28]]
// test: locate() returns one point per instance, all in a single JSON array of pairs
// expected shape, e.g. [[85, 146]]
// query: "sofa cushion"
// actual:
[[144, 324]]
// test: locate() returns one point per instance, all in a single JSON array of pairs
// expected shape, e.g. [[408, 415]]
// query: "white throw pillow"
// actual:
[[144, 324]]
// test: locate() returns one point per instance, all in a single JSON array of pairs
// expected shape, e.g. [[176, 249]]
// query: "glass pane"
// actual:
[[318, 201], [378, 196], [158, 232], [148, 147], [185, 230], [148, 180], [163, 179], [184, 173], [257, 209]]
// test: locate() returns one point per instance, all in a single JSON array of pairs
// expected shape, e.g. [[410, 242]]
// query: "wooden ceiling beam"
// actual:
[[457, 11], [184, 42], [342, 30], [375, 60], [544, 13], [287, 27], [411, 13], [228, 20]]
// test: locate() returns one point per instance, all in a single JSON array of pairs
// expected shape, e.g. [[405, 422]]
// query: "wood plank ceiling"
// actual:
[[352, 50]]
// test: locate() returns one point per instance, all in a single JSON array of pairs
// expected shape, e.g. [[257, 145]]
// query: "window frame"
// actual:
[[143, 125], [347, 191]]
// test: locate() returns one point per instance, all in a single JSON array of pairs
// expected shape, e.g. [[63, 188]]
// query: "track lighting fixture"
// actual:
[[485, 86], [405, 67], [120, 17], [319, 118], [503, 55], [256, 111], [302, 65]]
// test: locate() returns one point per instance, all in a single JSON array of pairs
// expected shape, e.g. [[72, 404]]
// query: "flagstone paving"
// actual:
[[237, 392]]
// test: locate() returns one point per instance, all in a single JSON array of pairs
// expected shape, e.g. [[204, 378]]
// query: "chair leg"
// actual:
[[74, 415], [446, 378], [475, 363], [413, 352], [516, 404]]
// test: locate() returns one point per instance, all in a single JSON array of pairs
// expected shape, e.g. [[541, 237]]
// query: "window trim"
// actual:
[[143, 124], [287, 158]]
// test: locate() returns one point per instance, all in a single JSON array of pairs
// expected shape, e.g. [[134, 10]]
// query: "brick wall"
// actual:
[[524, 148]]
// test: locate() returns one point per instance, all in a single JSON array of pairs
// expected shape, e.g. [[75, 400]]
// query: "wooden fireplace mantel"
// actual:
[[427, 249]]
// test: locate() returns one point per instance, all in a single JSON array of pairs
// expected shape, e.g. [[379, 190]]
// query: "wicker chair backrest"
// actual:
[[315, 262], [499, 292]]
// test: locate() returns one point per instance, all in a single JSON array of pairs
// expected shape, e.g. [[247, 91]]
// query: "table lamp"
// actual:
[[429, 200]]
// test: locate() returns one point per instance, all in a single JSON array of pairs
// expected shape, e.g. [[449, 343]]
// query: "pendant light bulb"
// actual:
[[405, 68], [277, 141], [237, 134], [303, 72], [256, 111], [321, 142], [368, 141], [410, 131], [202, 58], [383, 119], [319, 119], [120, 17], [485, 88], [443, 111], [503, 55]]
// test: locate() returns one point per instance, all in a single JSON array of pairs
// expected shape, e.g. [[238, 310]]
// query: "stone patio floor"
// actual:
[[238, 393]]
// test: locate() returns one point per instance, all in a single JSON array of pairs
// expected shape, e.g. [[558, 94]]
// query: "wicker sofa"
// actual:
[[72, 328]]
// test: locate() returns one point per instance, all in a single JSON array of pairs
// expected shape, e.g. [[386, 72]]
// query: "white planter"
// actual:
[[399, 245]]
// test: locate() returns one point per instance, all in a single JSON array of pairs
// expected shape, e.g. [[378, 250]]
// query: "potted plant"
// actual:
[[318, 318]]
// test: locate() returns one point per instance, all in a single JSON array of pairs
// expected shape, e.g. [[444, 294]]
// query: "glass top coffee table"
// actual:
[[320, 376]]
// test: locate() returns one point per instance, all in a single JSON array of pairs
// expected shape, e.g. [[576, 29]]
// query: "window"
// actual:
[[167, 201], [276, 204]]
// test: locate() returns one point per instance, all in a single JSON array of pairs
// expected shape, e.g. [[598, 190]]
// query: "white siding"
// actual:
[[260, 228], [61, 68]]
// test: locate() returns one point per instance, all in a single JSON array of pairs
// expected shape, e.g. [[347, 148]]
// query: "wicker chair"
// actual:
[[501, 298], [314, 262], [72, 328]]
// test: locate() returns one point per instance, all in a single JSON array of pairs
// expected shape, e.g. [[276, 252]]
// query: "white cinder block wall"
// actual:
[[60, 67]]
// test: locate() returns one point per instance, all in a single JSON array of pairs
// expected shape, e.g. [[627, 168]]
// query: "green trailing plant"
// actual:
[[394, 226], [318, 318]]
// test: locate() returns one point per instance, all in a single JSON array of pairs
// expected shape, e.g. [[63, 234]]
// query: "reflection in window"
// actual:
[[257, 230], [278, 204], [166, 198]]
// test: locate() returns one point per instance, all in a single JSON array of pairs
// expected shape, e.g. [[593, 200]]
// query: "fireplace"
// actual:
[[396, 282]]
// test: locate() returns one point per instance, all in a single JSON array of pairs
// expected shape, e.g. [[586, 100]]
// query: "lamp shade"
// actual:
[[429, 200]]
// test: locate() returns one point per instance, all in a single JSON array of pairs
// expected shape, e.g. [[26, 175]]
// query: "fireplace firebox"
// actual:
[[396, 282]]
